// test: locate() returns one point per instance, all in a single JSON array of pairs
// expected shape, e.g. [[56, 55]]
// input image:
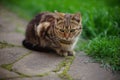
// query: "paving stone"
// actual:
[[9, 21], [9, 55], [7, 74], [49, 77], [13, 38], [37, 63], [82, 70], [83, 58]]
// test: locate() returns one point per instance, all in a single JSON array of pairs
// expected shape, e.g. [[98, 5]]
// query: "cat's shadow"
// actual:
[[45, 50], [39, 49]]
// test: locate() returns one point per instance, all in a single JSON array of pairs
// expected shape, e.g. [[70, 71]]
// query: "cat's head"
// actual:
[[68, 26]]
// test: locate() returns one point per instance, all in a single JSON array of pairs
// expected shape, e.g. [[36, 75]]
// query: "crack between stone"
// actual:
[[63, 68], [4, 44], [21, 75], [10, 65]]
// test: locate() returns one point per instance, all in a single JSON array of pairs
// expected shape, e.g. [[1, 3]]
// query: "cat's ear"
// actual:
[[50, 18], [77, 17], [59, 15]]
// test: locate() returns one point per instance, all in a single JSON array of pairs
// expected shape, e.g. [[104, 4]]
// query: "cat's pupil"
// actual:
[[72, 30]]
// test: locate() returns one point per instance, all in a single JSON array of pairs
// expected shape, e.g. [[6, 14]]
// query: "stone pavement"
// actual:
[[19, 63]]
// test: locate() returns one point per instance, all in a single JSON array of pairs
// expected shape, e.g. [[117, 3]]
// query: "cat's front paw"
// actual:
[[63, 53], [68, 53], [71, 53]]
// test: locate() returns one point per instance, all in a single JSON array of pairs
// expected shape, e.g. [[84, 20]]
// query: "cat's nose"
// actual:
[[66, 35]]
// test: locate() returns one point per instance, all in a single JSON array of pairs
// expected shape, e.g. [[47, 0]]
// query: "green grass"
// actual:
[[101, 23], [105, 50], [98, 16]]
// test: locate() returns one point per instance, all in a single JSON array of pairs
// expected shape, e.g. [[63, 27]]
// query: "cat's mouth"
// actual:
[[66, 42]]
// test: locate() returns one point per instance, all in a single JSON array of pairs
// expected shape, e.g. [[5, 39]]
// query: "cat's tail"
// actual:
[[36, 47]]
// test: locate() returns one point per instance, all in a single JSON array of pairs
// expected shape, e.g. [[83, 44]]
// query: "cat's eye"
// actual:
[[61, 30], [72, 30]]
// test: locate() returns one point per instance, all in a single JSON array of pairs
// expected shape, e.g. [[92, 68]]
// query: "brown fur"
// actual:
[[58, 31]]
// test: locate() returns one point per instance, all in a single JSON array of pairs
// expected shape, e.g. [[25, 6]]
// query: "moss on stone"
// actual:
[[65, 76], [7, 66], [42, 75], [5, 44], [22, 57], [22, 75], [67, 61], [61, 65], [64, 67]]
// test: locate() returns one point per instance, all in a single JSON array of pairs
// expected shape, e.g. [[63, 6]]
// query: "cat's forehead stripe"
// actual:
[[67, 20]]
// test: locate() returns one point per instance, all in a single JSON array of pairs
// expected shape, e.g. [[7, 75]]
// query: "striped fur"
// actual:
[[57, 31]]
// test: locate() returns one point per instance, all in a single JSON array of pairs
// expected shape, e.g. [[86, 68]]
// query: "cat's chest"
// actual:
[[66, 46], [69, 46]]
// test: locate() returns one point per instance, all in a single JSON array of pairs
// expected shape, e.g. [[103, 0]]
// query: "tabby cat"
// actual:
[[56, 31]]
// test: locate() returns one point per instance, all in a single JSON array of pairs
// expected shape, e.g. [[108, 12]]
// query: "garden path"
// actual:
[[19, 63]]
